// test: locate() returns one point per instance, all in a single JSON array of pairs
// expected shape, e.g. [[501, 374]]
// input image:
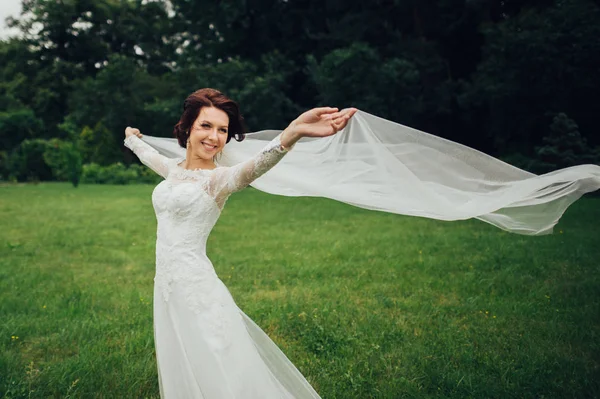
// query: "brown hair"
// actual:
[[208, 98]]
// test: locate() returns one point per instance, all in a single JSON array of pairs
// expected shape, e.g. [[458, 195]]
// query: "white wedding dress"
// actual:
[[206, 347]]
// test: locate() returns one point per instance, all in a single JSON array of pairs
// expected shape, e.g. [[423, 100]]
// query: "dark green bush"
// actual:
[[27, 163], [4, 170], [64, 159], [98, 145], [118, 173]]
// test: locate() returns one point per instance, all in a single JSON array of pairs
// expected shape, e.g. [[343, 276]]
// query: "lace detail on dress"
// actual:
[[162, 279], [179, 172], [205, 297], [269, 156]]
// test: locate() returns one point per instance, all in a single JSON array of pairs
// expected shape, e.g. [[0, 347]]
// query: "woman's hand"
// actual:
[[322, 122], [132, 131], [317, 122]]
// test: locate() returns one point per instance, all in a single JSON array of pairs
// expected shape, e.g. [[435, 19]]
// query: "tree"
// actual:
[[114, 99], [537, 63], [17, 125], [565, 146]]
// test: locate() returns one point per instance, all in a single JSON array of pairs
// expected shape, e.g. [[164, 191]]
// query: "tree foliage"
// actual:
[[64, 160], [564, 146], [489, 74]]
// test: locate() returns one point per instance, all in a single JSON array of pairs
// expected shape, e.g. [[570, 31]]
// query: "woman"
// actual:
[[206, 347]]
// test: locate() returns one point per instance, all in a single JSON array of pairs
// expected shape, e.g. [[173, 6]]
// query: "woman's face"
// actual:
[[208, 134]]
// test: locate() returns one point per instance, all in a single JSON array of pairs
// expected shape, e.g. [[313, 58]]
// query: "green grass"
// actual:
[[366, 304]]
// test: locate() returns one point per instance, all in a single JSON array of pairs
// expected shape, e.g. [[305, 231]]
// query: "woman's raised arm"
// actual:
[[148, 155], [318, 122]]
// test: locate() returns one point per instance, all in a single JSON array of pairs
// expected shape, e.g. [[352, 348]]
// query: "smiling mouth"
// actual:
[[208, 146]]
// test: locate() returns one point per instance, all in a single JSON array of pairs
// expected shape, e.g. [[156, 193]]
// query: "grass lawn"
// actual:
[[366, 304]]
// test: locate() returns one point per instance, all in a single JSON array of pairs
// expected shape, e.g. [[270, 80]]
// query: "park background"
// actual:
[[365, 304]]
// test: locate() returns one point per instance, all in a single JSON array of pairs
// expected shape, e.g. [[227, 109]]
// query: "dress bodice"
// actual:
[[185, 212]]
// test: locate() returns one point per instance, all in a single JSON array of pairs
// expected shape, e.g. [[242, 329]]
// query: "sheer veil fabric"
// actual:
[[381, 165]]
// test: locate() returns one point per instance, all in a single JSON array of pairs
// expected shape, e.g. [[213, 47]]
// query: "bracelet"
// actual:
[[282, 147]]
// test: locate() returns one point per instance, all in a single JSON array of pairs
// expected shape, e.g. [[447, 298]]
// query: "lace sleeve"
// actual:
[[241, 175], [148, 155]]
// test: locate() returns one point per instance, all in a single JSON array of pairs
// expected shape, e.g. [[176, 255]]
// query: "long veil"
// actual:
[[381, 165]]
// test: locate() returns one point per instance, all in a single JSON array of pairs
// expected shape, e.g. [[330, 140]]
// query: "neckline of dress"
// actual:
[[180, 160]]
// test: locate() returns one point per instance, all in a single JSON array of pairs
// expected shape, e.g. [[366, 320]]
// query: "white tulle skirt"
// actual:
[[220, 353]]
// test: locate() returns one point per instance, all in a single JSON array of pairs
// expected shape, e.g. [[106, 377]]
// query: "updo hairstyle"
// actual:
[[208, 98]]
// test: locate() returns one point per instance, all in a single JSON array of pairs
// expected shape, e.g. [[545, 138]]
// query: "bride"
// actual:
[[206, 347]]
